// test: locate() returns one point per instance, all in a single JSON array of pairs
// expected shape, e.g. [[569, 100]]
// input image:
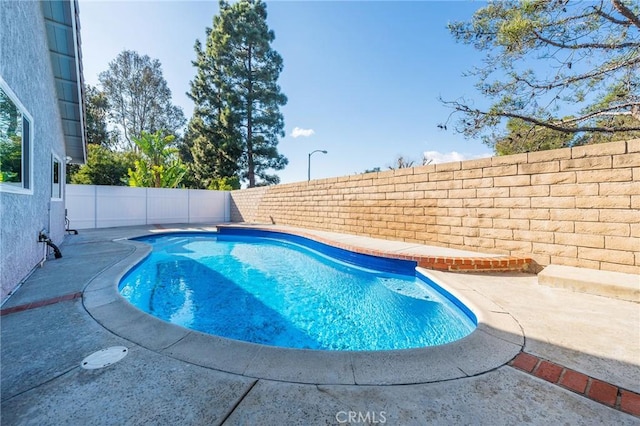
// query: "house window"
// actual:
[[15, 143], [56, 182]]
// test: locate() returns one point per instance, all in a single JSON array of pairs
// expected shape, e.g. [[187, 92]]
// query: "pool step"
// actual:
[[616, 285]]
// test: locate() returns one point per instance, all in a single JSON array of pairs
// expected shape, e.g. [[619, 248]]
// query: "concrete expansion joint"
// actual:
[[233, 408], [589, 387], [255, 356], [57, 376], [327, 391], [353, 371], [172, 344], [497, 336], [524, 336], [464, 372]]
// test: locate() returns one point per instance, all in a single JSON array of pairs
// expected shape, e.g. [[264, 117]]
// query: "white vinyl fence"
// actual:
[[97, 206]]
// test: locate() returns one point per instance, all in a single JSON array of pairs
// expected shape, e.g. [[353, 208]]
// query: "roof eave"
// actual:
[[63, 35]]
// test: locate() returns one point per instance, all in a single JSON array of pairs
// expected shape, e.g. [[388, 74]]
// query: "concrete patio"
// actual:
[[502, 374]]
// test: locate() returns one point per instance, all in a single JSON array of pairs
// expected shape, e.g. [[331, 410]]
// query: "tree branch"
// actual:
[[626, 12], [561, 125], [606, 111], [605, 46], [610, 18], [564, 129], [580, 77]]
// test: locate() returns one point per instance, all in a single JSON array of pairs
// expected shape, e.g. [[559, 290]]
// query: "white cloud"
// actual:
[[297, 132], [448, 157]]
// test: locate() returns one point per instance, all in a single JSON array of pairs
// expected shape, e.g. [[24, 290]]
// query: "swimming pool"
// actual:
[[289, 291]]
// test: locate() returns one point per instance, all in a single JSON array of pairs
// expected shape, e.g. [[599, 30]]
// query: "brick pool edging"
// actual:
[[594, 389], [438, 263]]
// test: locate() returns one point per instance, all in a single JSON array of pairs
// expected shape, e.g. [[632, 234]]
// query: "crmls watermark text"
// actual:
[[366, 417]]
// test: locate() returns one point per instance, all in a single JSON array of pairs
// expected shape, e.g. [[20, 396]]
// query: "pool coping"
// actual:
[[495, 342]]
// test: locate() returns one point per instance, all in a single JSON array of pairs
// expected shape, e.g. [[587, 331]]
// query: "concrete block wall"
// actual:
[[574, 206]]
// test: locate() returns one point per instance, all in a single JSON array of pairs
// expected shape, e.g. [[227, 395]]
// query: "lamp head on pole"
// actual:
[[309, 161]]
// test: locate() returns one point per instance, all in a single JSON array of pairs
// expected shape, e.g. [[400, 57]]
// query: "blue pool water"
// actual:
[[282, 293]]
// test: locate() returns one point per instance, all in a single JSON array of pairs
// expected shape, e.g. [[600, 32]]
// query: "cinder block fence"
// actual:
[[575, 206]]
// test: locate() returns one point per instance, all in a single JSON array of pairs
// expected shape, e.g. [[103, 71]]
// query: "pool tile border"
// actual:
[[438, 263], [594, 389]]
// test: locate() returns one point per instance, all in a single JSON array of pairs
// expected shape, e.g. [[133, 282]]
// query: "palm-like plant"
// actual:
[[159, 165]]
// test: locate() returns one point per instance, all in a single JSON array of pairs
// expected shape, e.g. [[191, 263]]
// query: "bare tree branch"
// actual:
[[626, 12], [605, 112], [576, 78], [608, 17], [559, 125], [605, 46]]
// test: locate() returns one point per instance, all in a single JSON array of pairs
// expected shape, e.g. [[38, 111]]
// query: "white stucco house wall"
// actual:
[[41, 129]]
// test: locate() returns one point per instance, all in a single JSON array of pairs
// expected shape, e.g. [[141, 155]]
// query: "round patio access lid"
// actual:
[[104, 357]]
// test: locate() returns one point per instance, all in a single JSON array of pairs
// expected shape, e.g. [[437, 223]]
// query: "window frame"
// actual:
[[56, 159], [27, 163]]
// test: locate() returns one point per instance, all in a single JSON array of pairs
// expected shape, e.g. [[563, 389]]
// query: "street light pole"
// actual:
[[309, 162]]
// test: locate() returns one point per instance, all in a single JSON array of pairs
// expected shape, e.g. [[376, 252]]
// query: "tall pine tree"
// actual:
[[237, 121]]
